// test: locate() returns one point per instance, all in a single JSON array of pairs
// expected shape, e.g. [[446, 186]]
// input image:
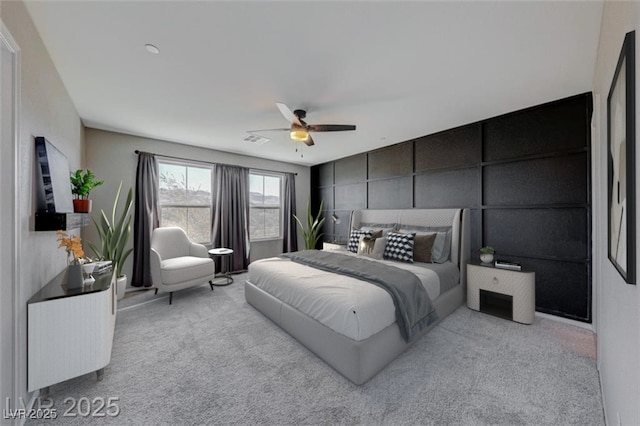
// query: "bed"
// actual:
[[349, 323]]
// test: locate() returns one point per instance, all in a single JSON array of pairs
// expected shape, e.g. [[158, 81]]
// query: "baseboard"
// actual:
[[575, 323]]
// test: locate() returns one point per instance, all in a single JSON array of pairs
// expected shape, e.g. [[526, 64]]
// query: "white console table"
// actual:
[[70, 332]]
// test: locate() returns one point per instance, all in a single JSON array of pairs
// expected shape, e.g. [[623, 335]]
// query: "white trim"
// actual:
[[280, 207], [568, 321], [596, 195], [7, 40], [187, 164]]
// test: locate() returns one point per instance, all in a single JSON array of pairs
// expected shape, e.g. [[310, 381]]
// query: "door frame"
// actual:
[[9, 145]]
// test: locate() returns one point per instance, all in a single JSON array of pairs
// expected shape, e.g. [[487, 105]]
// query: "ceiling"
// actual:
[[398, 70]]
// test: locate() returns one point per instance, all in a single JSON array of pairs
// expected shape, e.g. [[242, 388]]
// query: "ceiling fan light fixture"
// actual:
[[299, 133]]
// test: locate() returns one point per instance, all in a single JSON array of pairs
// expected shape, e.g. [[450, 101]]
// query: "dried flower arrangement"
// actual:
[[73, 246]]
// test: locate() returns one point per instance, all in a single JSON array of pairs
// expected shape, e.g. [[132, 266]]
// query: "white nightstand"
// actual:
[[333, 246], [502, 292]]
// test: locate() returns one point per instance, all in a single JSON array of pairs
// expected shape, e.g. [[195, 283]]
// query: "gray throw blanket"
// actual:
[[414, 310]]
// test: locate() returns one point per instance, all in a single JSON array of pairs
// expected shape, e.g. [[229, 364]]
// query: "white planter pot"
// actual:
[[486, 258], [121, 286]]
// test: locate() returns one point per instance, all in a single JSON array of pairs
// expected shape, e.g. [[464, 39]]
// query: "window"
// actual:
[[185, 198], [265, 214]]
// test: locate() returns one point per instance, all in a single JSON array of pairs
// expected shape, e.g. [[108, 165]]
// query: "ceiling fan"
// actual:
[[299, 130]]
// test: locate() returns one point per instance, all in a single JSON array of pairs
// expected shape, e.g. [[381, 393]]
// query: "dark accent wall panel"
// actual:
[[326, 194], [342, 228], [555, 180], [476, 230], [325, 174], [524, 175], [351, 197], [455, 147], [396, 160], [562, 288], [543, 129], [452, 188], [390, 193], [328, 228], [351, 169], [558, 233]]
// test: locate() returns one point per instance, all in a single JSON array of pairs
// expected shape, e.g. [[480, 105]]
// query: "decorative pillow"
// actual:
[[399, 247], [375, 233], [372, 247], [354, 239], [423, 247], [442, 244], [366, 245], [378, 250], [384, 227]]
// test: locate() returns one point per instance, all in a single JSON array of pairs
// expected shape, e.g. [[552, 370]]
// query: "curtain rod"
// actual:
[[209, 162]]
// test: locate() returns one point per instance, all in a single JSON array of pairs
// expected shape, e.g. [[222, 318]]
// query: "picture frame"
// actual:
[[621, 163]]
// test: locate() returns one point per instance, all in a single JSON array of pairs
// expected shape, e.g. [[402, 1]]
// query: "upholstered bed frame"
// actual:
[[359, 361]]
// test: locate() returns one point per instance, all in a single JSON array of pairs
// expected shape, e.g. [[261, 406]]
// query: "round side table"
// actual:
[[223, 253]]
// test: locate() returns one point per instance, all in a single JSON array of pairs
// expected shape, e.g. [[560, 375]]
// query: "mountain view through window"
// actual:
[[185, 199], [265, 216]]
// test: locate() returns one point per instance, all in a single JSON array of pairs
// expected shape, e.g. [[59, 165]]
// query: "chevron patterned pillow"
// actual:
[[399, 247], [354, 239]]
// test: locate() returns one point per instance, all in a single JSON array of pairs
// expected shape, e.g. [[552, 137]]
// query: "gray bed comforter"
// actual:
[[414, 310]]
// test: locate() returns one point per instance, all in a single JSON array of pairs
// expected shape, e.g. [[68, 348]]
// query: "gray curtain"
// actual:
[[231, 213], [145, 218], [290, 228]]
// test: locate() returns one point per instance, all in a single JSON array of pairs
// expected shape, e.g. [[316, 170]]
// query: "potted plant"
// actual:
[[311, 234], [486, 254], [114, 236], [82, 182]]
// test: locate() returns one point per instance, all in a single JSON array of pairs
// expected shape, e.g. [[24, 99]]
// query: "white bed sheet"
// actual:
[[351, 307]]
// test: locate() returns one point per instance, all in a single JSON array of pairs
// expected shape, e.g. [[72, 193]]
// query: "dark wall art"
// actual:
[[621, 163]]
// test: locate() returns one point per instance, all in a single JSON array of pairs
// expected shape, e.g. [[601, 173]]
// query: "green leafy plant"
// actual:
[[487, 250], [82, 182], [311, 233], [115, 234]]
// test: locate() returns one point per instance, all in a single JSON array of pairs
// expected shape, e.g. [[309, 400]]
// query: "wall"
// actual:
[[527, 167], [112, 158], [618, 303], [46, 110]]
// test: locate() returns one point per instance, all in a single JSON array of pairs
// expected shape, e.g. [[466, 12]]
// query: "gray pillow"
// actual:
[[423, 247], [442, 245], [384, 227]]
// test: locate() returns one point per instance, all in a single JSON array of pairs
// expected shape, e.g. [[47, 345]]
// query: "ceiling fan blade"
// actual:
[[288, 114], [284, 129], [330, 127], [309, 141]]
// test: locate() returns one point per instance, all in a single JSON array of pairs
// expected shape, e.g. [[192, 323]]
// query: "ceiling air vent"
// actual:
[[258, 140]]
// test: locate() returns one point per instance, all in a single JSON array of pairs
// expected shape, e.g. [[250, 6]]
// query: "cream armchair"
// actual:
[[177, 263]]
